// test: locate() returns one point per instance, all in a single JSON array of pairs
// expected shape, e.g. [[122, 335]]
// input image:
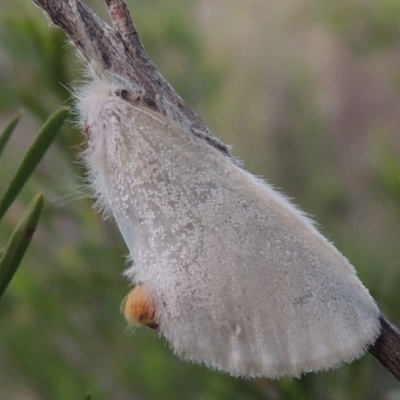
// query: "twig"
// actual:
[[387, 347], [118, 53]]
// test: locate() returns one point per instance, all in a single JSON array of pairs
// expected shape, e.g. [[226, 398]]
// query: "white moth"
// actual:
[[239, 279]]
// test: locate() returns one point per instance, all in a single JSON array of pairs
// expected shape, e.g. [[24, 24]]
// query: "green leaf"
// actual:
[[8, 131], [19, 241], [32, 158]]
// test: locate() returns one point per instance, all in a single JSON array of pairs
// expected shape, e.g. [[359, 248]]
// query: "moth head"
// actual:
[[98, 100]]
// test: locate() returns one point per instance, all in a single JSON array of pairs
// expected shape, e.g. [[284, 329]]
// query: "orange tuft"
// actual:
[[138, 307]]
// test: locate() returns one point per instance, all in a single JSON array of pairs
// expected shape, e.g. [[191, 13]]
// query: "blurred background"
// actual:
[[308, 94]]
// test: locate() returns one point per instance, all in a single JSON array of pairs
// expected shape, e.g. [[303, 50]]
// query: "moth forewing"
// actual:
[[240, 279]]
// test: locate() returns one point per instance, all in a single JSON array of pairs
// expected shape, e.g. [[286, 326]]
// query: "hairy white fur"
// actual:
[[242, 280]]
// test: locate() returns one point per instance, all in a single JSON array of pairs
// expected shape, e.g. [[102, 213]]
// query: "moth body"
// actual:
[[240, 278]]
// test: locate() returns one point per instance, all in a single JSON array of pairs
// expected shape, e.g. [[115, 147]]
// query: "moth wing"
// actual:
[[241, 280], [264, 293], [271, 296]]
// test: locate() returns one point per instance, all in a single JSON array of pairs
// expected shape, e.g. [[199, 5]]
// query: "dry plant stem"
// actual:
[[119, 53], [387, 347]]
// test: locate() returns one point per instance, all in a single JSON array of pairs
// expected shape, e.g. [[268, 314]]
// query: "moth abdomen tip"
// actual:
[[138, 307]]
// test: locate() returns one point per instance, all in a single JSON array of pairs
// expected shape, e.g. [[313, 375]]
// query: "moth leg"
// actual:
[[138, 307]]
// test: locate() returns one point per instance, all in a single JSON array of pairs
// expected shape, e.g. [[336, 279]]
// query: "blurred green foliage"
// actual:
[[11, 255], [14, 250], [307, 92], [366, 26]]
